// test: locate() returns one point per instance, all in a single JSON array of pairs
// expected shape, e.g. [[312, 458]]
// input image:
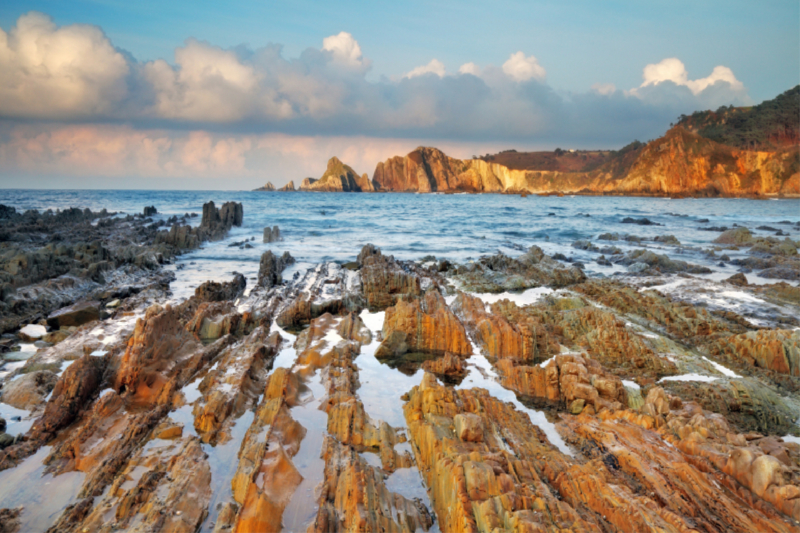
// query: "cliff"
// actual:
[[680, 163], [339, 177], [770, 125], [289, 187], [269, 187]]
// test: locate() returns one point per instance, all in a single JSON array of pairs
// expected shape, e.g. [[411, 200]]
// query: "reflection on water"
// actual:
[[18, 421], [43, 496], [486, 378], [302, 508]]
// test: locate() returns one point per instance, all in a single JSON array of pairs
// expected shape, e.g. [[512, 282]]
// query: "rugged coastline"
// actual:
[[735, 152], [508, 393]]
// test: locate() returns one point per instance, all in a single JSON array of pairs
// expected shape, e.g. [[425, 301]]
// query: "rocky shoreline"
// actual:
[[505, 394]]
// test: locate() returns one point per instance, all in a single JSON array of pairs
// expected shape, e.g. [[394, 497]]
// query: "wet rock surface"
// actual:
[[389, 395], [424, 324], [501, 273], [49, 261]]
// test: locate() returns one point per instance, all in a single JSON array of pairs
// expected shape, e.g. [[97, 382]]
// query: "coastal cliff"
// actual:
[[338, 177], [747, 151], [680, 163]]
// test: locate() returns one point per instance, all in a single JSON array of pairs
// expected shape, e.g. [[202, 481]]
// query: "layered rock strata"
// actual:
[[490, 469], [679, 163], [425, 324], [501, 273]]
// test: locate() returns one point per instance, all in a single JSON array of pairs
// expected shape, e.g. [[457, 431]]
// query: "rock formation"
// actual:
[[289, 187], [499, 273], [566, 380], [487, 466], [339, 177], [602, 406], [425, 325], [272, 234], [217, 222], [267, 187], [270, 268], [680, 163], [448, 365], [384, 281]]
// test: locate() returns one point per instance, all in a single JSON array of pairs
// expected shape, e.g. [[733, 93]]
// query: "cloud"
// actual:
[[74, 73], [207, 84], [68, 72], [604, 88], [434, 67], [470, 68], [345, 50], [672, 69], [115, 156], [521, 68]]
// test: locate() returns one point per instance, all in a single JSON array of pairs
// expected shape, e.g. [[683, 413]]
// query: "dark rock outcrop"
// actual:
[[270, 268], [74, 315], [501, 273], [213, 291], [272, 234]]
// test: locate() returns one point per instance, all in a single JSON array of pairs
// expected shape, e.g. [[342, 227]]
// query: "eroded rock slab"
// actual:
[[422, 325]]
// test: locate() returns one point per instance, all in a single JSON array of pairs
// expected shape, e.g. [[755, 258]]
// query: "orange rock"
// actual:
[[777, 350], [607, 340], [632, 481], [679, 320], [678, 163], [235, 383], [265, 477], [354, 498], [384, 281], [448, 365], [517, 337], [422, 325], [563, 380]]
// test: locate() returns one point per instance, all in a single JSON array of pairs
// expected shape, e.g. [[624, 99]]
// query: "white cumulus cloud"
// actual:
[[207, 84], [522, 68], [672, 69], [68, 72], [345, 50], [470, 68], [434, 67], [74, 73]]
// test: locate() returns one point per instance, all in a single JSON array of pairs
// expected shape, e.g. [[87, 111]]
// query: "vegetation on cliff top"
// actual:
[[770, 125]]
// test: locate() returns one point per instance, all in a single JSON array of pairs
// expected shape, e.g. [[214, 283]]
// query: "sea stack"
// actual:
[[339, 177]]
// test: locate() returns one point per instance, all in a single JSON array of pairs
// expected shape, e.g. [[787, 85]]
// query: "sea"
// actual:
[[322, 227]]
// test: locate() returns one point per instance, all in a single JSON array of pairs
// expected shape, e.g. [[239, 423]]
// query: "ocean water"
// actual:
[[319, 227]]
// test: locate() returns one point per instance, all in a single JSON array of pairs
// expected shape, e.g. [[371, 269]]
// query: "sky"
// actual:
[[202, 95]]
